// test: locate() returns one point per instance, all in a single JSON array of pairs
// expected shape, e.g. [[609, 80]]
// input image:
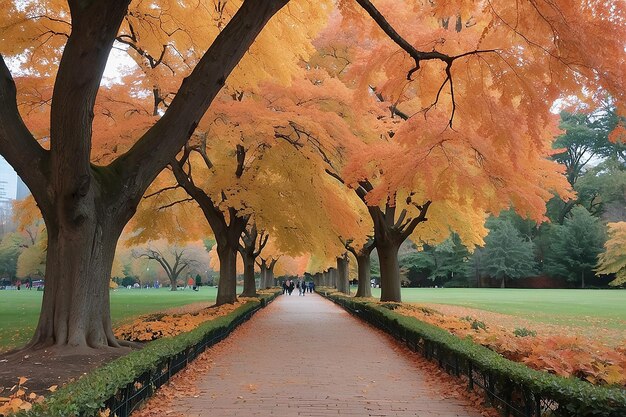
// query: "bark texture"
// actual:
[[362, 256], [365, 287], [343, 280], [250, 249]]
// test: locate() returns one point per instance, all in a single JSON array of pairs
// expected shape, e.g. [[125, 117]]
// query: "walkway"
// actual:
[[304, 356]]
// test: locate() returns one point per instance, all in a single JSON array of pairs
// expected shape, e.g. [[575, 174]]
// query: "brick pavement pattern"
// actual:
[[305, 356]]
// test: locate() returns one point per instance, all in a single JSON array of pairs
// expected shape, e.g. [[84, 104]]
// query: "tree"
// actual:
[[250, 247], [507, 255], [575, 246], [10, 248], [601, 190], [363, 259], [84, 204], [173, 266], [613, 259], [267, 271], [441, 263], [586, 139]]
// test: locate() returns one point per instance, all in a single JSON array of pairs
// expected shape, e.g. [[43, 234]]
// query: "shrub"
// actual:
[[524, 332]]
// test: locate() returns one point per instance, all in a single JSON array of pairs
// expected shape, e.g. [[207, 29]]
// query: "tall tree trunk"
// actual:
[[332, 276], [75, 309], [582, 276], [343, 284], [227, 287], [249, 283], [365, 287], [390, 284], [264, 283], [502, 285], [173, 283]]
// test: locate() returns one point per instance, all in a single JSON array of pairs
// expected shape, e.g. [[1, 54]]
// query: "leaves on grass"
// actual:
[[155, 326], [568, 356]]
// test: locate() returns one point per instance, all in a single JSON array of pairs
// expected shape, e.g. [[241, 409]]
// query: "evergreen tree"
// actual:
[[507, 254], [575, 246]]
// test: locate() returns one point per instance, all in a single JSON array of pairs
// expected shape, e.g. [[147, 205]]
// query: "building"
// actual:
[[11, 186]]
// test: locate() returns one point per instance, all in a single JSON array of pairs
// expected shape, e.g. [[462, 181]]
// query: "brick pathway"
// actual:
[[304, 356]]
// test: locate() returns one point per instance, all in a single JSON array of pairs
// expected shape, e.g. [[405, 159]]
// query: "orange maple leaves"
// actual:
[[561, 355]]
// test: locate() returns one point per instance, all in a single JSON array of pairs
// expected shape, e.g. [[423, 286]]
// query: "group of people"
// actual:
[[302, 286]]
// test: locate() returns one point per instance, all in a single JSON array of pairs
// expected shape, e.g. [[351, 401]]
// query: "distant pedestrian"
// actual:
[[291, 286], [301, 287], [311, 286], [284, 287]]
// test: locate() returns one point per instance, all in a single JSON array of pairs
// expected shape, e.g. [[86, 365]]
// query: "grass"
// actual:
[[19, 310], [562, 307]]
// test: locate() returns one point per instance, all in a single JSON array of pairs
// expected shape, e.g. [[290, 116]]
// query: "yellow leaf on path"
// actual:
[[20, 392], [32, 396], [23, 380], [52, 388], [26, 406], [4, 399]]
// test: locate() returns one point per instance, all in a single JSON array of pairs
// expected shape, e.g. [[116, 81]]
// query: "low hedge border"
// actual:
[[510, 386], [124, 383]]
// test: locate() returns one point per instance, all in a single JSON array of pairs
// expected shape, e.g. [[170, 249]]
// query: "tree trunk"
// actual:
[[343, 284], [389, 272], [173, 284], [227, 287], [75, 309], [249, 284], [365, 287], [269, 276], [502, 284], [332, 276], [264, 283], [582, 276]]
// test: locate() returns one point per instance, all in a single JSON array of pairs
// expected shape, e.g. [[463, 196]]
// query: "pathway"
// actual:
[[304, 356]]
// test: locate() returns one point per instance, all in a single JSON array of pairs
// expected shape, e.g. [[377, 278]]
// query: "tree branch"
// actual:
[[155, 148], [406, 232], [17, 144]]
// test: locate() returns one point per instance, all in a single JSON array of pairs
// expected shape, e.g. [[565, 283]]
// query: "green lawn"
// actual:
[[19, 310], [564, 307]]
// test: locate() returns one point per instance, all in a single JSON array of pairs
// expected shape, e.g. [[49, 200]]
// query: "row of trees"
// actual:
[[331, 126], [571, 245]]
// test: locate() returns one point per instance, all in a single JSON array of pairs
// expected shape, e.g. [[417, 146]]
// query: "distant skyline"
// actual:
[[11, 185]]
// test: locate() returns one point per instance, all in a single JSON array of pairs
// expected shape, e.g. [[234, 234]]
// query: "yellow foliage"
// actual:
[[613, 259]]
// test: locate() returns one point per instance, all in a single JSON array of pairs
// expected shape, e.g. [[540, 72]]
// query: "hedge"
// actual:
[[573, 396]]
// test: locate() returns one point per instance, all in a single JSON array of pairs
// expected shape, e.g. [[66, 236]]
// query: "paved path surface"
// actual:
[[304, 356]]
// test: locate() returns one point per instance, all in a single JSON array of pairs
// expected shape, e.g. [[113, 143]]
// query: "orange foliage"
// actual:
[[560, 355], [155, 326], [17, 398]]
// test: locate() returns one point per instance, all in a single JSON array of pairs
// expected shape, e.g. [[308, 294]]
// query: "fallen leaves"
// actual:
[[18, 399], [566, 356], [156, 326]]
